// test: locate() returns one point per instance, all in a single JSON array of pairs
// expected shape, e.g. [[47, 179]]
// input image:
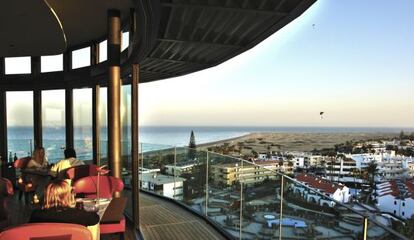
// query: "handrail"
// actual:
[[283, 176]]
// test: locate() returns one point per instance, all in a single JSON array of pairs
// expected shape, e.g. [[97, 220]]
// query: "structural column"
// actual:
[[67, 66], [95, 110], [3, 118], [114, 94], [69, 117], [135, 142], [37, 104]]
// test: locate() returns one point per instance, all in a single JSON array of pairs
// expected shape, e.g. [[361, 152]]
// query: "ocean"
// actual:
[[20, 141]]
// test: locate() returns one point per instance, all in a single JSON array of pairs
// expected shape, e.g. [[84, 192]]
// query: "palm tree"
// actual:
[[372, 171]]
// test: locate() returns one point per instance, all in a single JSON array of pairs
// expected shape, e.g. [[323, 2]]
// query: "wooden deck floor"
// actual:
[[160, 219]]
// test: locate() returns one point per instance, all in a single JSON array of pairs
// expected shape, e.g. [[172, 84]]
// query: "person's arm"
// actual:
[[33, 164]]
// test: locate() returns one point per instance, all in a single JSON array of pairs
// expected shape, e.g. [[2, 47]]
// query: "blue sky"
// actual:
[[355, 64]]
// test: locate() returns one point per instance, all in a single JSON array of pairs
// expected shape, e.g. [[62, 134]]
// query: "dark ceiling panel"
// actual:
[[29, 28], [86, 20]]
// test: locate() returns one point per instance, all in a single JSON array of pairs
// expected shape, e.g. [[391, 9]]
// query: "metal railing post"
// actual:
[[365, 228], [281, 207], [241, 200], [207, 190], [175, 169]]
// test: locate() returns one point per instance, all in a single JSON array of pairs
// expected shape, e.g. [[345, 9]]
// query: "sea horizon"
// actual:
[[157, 137]]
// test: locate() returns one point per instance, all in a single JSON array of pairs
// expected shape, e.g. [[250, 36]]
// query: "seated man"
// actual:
[[69, 161]]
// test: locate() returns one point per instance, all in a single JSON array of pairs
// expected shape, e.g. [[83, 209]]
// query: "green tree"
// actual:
[[192, 147], [372, 171]]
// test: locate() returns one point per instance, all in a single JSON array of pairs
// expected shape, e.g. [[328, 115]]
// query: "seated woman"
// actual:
[[59, 206], [38, 160]]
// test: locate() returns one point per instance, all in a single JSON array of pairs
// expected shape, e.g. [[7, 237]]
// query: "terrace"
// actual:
[[101, 51]]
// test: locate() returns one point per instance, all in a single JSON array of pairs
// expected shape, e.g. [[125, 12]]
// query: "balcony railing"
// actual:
[[274, 206]]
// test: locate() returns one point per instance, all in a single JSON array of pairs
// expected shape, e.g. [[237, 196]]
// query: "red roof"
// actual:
[[318, 183]]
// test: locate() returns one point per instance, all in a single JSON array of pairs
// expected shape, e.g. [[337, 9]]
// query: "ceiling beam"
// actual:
[[200, 43], [242, 10], [176, 61]]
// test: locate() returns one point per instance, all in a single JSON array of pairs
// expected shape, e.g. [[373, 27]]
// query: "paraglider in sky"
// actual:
[[321, 114]]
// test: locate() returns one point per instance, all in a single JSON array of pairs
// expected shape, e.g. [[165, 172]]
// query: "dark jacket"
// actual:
[[64, 215]]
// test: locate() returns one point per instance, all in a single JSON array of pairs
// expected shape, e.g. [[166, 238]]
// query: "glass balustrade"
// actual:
[[255, 201]]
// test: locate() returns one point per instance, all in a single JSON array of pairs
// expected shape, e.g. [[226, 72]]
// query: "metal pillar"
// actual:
[[37, 105], [96, 89], [37, 118], [3, 128], [69, 117], [135, 142], [114, 94], [3, 118]]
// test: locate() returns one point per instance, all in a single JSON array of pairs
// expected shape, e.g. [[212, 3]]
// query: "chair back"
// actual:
[[107, 186], [77, 172], [46, 231], [6, 190], [6, 187], [21, 162]]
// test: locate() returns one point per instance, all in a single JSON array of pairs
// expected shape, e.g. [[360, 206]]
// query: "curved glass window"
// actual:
[[53, 121], [19, 124], [81, 58], [103, 51], [82, 123], [52, 63], [18, 65]]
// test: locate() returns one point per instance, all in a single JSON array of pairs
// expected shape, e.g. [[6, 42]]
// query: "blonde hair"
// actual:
[[59, 194], [39, 155]]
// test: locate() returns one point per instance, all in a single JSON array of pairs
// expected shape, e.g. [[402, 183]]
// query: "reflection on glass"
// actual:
[[53, 120], [103, 51], [81, 58], [103, 121], [19, 124], [125, 41], [82, 123], [17, 65], [51, 63]]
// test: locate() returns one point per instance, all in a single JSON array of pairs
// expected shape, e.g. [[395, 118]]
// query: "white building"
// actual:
[[334, 191], [168, 186], [397, 197]]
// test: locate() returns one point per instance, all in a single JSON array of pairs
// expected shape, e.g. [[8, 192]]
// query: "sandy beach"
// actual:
[[293, 141]]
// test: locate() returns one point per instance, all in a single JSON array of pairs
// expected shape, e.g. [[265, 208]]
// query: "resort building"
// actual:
[[334, 191], [230, 174], [340, 167], [396, 197], [178, 169]]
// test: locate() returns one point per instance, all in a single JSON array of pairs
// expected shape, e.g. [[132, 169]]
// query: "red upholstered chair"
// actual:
[[77, 172], [6, 191], [107, 186], [47, 231], [24, 183]]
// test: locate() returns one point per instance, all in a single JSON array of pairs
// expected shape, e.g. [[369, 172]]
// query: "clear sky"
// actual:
[[352, 59], [356, 64]]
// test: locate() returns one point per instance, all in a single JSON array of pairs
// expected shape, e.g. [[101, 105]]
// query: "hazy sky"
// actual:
[[356, 63]]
